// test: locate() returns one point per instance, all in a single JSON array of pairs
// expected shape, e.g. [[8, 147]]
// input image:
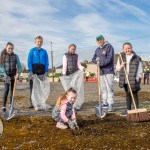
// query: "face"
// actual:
[[9, 49], [101, 41], [71, 97], [72, 49], [39, 43], [127, 49]]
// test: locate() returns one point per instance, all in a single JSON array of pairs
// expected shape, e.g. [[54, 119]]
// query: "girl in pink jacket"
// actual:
[[63, 112]]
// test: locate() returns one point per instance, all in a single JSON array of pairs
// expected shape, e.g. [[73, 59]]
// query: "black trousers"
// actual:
[[6, 91], [31, 87], [146, 77], [129, 98]]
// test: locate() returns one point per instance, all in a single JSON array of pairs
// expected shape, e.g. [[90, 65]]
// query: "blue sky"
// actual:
[[63, 22]]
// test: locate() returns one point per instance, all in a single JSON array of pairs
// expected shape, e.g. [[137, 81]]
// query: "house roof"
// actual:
[[59, 67]]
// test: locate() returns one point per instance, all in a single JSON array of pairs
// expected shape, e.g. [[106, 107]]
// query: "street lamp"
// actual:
[[52, 62]]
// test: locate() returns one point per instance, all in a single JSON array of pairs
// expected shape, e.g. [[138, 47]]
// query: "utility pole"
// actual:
[[52, 62]]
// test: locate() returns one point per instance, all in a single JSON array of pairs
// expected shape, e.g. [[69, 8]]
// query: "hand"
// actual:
[[98, 61], [138, 80], [30, 75], [17, 76], [46, 74], [7, 79], [75, 123], [123, 64], [71, 124], [83, 69]]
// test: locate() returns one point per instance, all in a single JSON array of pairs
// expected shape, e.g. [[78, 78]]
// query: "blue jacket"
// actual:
[[106, 55], [38, 62]]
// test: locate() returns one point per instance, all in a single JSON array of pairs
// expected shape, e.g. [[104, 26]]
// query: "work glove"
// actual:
[[98, 61], [75, 123], [45, 75], [41, 77], [71, 124], [30, 75], [7, 79]]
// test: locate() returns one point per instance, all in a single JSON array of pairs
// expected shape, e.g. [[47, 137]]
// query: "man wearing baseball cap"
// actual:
[[104, 58]]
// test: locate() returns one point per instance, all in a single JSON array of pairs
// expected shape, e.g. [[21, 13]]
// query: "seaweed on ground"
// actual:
[[112, 132]]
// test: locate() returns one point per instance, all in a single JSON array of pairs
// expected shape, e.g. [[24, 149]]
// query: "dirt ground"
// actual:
[[32, 129]]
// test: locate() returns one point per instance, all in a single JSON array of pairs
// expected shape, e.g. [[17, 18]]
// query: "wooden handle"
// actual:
[[98, 79], [15, 81], [128, 83]]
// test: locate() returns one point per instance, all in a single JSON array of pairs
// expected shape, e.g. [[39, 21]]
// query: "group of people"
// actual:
[[64, 112]]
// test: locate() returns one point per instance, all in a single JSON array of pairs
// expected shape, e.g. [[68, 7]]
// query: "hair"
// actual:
[[62, 97], [127, 43], [39, 37], [3, 53], [72, 45]]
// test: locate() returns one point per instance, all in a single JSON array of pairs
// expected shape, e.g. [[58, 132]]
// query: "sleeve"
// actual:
[[110, 55], [63, 113], [139, 72], [118, 66], [73, 114], [30, 61], [3, 69], [46, 62], [19, 65], [79, 65], [64, 69]]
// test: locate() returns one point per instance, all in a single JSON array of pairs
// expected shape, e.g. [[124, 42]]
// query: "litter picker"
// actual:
[[99, 110], [135, 115]]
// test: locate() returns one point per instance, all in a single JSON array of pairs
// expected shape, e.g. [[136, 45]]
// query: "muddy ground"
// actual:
[[32, 129]]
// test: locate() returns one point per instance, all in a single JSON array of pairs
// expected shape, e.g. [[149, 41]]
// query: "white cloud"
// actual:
[[137, 12], [22, 21]]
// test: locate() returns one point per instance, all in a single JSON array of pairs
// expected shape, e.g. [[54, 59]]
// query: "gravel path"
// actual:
[[88, 108]]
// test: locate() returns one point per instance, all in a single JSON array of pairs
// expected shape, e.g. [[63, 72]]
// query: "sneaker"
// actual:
[[61, 125], [105, 105], [124, 113], [3, 110], [31, 106], [110, 108]]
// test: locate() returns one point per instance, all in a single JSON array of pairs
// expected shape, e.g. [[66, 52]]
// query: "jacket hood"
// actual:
[[106, 42]]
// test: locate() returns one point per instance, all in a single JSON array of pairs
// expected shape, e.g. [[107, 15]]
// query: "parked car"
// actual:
[[116, 79]]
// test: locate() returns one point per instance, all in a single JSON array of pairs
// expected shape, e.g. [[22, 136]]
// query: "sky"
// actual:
[[63, 22]]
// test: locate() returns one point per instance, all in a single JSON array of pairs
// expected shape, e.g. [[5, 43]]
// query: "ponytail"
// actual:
[[2, 57]]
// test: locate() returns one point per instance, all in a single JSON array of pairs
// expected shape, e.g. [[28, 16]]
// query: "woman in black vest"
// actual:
[[9, 62], [133, 65]]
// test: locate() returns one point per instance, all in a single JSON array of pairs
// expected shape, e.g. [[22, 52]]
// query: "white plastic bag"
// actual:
[[40, 93], [75, 81]]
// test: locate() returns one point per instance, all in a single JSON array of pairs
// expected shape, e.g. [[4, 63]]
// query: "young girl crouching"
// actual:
[[63, 112]]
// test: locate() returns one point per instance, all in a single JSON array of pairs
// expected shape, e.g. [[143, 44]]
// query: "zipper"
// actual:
[[9, 63], [39, 56]]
